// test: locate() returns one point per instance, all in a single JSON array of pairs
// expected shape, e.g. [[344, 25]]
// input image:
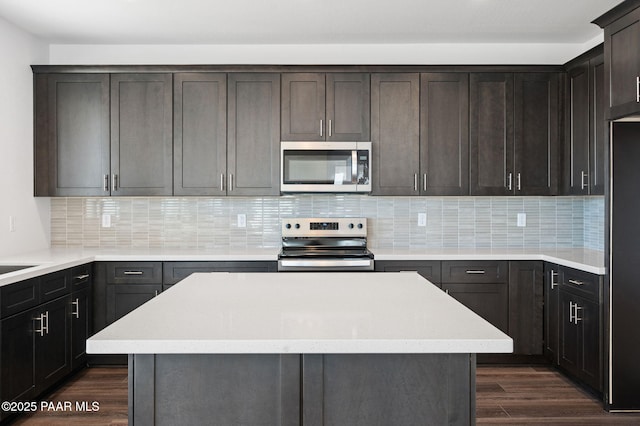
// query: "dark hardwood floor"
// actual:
[[510, 395]]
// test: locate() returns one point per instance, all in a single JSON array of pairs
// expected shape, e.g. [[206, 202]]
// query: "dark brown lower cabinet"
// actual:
[[580, 352], [428, 269], [551, 311], [489, 300], [80, 326], [526, 307]]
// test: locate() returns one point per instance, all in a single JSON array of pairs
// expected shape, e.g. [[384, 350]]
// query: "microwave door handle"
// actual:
[[354, 166]]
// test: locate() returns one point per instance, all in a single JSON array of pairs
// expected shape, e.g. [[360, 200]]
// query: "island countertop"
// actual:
[[305, 313]]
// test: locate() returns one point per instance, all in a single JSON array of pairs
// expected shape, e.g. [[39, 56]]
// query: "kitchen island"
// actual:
[[311, 348]]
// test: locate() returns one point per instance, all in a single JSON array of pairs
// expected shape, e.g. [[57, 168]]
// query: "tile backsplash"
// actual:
[[208, 223]]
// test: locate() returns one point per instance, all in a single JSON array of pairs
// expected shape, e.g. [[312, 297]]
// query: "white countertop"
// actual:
[[55, 259], [301, 313]]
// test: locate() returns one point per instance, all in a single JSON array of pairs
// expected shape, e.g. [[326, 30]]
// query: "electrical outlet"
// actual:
[[106, 220], [242, 220], [422, 219], [522, 220]]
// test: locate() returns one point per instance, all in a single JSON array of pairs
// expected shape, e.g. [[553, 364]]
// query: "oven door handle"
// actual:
[[317, 264]]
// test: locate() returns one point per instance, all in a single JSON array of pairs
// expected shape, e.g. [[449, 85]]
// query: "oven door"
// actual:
[[324, 264], [325, 167]]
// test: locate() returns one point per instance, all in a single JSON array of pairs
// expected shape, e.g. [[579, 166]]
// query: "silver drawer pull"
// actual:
[[133, 272], [475, 271], [81, 277], [576, 282]]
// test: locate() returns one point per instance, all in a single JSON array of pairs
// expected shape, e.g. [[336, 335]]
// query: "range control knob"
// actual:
[[288, 226], [351, 226], [297, 226], [359, 226]]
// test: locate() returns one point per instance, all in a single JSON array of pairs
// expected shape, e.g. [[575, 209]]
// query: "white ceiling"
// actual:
[[306, 21]]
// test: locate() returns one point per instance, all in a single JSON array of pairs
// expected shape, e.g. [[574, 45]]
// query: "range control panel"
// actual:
[[328, 227]]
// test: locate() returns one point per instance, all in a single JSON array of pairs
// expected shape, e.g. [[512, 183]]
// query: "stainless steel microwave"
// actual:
[[325, 167]]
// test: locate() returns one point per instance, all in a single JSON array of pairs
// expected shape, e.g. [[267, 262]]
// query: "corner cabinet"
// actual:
[[622, 59], [319, 106]]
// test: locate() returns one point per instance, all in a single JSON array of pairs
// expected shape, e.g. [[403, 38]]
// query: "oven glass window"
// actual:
[[321, 167]]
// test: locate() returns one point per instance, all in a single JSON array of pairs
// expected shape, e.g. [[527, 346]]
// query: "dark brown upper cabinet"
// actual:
[[319, 107], [585, 130], [395, 105], [199, 134], [622, 59], [444, 134], [514, 133], [253, 140], [141, 134], [72, 135]]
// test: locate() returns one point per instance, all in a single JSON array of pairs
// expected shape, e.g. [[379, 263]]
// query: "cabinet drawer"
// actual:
[[55, 285], [134, 272], [174, 272], [18, 297], [581, 282], [81, 276], [481, 271], [429, 269]]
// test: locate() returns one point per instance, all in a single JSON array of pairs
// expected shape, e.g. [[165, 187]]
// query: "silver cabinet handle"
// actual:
[[230, 181], [41, 329], [106, 183], [475, 271], [447, 291], [424, 182], [576, 282], [571, 312], [519, 182], [576, 309], [221, 181], [415, 182], [81, 277], [75, 308], [554, 281], [321, 126], [510, 181], [114, 182], [156, 292], [133, 272], [330, 128], [583, 185], [45, 322], [638, 89]]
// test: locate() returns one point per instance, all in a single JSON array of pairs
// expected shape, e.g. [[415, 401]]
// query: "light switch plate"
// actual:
[[522, 220], [422, 219], [242, 220]]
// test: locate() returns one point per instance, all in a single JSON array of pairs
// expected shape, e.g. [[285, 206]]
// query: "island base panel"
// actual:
[[329, 389]]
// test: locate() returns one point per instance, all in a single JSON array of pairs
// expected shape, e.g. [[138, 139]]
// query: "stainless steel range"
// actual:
[[325, 244]]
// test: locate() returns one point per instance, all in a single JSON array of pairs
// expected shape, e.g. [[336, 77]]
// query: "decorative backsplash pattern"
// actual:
[[208, 223]]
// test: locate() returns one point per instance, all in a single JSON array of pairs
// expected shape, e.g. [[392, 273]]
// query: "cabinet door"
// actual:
[[599, 128], [199, 133], [347, 108], [622, 59], [53, 360], [526, 307], [141, 134], [489, 300], [395, 102], [569, 356], [577, 146], [303, 107], [80, 326], [551, 311], [124, 298], [254, 134], [18, 357], [72, 135], [491, 134], [536, 133], [590, 347], [444, 134]]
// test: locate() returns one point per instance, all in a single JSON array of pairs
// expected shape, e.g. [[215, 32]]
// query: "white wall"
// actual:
[[292, 54], [32, 216]]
